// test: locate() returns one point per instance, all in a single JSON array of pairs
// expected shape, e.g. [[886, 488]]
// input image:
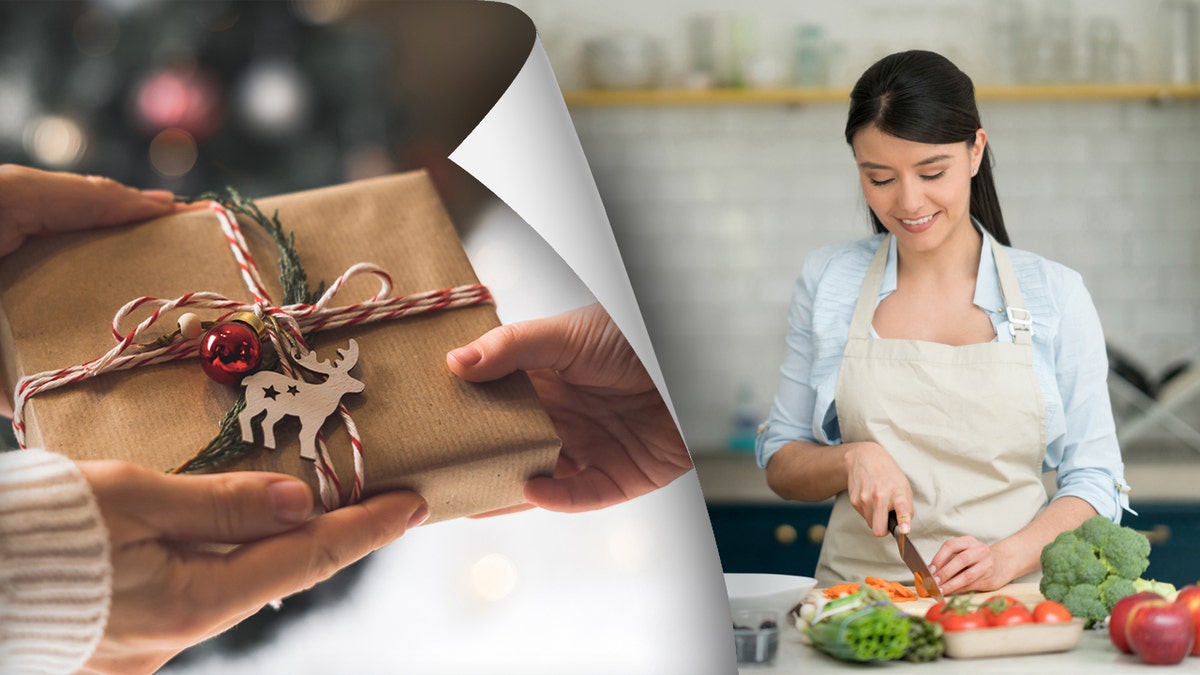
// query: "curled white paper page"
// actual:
[[527, 153]]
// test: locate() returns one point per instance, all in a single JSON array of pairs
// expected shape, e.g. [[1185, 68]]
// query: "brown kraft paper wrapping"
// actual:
[[465, 447]]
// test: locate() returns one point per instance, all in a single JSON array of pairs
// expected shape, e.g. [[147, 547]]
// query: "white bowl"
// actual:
[[776, 592]]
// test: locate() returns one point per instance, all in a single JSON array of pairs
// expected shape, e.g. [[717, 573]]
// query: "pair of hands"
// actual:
[[876, 485], [171, 590]]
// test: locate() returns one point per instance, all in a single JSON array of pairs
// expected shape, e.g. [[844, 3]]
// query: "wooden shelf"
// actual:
[[1151, 91]]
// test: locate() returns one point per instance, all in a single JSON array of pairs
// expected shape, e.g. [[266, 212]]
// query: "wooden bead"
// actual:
[[189, 326]]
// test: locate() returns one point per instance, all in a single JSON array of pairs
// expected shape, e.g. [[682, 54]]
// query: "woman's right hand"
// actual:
[[876, 485]]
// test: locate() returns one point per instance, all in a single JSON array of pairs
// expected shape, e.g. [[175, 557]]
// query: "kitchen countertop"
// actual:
[[734, 478], [1094, 655]]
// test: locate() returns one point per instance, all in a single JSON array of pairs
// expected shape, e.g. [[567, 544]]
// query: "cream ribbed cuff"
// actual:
[[55, 571]]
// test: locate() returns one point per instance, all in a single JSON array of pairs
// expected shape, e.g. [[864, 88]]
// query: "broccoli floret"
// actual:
[[1096, 530], [1053, 590], [1083, 601], [1113, 589], [1126, 552], [1069, 560]]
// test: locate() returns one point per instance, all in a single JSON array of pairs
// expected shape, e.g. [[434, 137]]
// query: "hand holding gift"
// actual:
[[619, 441], [34, 203], [168, 595], [153, 593]]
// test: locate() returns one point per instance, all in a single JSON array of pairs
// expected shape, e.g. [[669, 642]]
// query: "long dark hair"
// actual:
[[921, 96]]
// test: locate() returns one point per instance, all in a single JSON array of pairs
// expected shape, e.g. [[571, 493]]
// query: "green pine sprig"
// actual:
[[227, 445]]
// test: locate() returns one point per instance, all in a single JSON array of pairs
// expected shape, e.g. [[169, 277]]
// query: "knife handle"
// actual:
[[892, 522]]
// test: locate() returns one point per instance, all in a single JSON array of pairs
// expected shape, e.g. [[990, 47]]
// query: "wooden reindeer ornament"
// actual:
[[312, 402]]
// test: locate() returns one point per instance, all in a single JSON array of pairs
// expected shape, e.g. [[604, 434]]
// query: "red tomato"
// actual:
[[1013, 616], [968, 621], [936, 613], [1049, 611], [997, 605]]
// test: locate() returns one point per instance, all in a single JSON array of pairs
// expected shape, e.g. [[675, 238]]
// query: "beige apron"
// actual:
[[965, 424]]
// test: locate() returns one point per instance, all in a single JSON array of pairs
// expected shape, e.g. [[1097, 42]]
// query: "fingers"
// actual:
[[902, 505], [223, 508], [37, 202], [528, 345], [260, 572], [960, 563], [587, 490]]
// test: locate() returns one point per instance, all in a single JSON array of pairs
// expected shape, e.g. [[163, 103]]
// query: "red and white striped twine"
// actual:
[[296, 319]]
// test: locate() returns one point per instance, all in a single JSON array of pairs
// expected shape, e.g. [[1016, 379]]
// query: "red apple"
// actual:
[[1120, 617], [1189, 596], [1160, 632]]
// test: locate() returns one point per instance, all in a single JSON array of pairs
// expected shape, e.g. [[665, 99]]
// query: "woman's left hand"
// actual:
[[967, 564]]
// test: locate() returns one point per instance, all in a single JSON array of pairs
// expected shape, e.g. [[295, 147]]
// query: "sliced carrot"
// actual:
[[838, 590], [896, 591]]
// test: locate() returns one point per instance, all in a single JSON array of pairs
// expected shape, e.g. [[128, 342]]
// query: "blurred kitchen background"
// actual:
[[714, 131]]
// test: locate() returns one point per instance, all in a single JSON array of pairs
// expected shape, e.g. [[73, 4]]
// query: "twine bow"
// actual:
[[287, 326]]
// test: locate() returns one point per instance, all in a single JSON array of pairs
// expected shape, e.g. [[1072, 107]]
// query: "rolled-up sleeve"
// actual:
[[791, 414], [1086, 456]]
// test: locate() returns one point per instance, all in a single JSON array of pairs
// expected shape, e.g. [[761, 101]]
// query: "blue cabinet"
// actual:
[[779, 539], [1174, 532]]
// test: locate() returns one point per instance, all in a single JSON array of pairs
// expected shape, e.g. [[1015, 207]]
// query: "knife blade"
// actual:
[[921, 575]]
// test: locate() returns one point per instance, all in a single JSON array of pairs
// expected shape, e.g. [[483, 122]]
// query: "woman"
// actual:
[[932, 371]]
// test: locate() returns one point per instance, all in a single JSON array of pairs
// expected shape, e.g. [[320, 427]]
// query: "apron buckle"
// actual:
[[1019, 319]]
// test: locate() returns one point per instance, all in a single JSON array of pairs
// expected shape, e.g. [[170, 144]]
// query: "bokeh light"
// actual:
[[629, 546], [320, 12], [493, 577], [17, 105], [54, 141], [173, 152], [274, 99], [185, 97]]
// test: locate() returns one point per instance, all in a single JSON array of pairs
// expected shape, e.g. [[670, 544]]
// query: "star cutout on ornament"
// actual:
[[293, 390], [270, 392]]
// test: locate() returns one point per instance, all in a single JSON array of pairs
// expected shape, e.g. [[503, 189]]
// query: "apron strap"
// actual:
[[864, 309], [1020, 321]]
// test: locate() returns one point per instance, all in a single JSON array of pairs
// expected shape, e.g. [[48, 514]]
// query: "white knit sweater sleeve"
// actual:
[[55, 570]]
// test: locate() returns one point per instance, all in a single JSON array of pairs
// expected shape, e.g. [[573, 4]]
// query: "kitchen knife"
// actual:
[[921, 574]]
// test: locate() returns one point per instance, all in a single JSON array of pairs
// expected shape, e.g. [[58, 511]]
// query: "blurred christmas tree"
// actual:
[[267, 96]]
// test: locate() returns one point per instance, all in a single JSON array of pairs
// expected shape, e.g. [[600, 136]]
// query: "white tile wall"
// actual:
[[715, 209]]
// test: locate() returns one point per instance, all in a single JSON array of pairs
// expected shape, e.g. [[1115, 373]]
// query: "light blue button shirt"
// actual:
[[1069, 361]]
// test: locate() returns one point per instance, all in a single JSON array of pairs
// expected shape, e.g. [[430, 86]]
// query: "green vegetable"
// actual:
[[1115, 588], [1090, 568], [861, 627], [924, 640], [1163, 588], [1084, 601]]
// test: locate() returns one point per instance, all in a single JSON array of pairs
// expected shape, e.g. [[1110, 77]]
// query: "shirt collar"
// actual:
[[987, 283]]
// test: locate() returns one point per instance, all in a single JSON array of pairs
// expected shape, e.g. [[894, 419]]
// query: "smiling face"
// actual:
[[921, 192]]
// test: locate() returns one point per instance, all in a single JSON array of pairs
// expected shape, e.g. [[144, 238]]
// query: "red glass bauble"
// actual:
[[230, 351]]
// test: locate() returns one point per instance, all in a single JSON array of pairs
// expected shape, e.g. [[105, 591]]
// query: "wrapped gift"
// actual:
[[466, 447]]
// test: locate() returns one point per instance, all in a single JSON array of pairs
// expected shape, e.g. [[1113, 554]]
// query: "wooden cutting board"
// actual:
[[1026, 593]]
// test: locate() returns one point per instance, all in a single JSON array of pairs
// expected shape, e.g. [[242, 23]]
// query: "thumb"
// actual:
[[227, 508], [528, 345]]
